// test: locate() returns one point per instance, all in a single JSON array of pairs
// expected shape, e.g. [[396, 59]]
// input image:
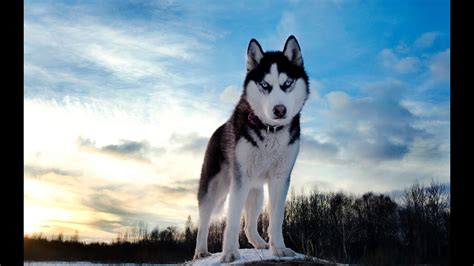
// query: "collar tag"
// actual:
[[268, 128]]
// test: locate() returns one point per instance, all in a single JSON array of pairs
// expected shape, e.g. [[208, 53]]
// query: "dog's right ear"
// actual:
[[292, 51], [254, 55]]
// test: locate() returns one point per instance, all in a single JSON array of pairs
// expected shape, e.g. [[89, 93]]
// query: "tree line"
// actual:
[[372, 228]]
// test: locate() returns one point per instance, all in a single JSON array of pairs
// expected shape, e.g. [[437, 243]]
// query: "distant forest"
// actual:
[[371, 229]]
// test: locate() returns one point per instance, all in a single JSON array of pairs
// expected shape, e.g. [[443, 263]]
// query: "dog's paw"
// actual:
[[201, 254], [283, 252], [260, 244], [257, 241], [230, 255]]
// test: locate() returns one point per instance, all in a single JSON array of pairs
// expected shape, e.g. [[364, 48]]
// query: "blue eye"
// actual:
[[264, 84], [288, 82]]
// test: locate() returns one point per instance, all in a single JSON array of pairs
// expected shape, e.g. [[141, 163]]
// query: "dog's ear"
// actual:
[[292, 51], [254, 55]]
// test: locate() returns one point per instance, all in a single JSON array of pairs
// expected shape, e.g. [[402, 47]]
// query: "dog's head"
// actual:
[[276, 85]]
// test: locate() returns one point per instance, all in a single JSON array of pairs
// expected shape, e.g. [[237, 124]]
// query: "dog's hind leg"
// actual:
[[206, 206], [253, 205]]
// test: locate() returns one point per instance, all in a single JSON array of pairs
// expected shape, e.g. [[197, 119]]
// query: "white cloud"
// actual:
[[230, 95], [439, 71], [84, 53], [337, 99], [425, 40], [407, 65], [116, 134], [427, 110], [315, 86], [125, 66], [288, 24], [372, 128], [401, 65], [382, 140], [387, 57], [318, 151], [440, 66]]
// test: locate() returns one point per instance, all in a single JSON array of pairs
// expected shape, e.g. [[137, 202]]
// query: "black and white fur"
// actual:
[[257, 145]]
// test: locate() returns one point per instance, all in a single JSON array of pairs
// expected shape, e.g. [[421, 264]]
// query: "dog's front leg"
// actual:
[[277, 190], [238, 194]]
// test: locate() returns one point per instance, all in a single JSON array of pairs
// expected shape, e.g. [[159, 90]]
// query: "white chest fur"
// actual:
[[272, 157]]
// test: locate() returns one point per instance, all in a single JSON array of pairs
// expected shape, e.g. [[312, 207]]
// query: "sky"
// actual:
[[121, 97]]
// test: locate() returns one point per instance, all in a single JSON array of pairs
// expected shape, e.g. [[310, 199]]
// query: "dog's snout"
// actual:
[[279, 111]]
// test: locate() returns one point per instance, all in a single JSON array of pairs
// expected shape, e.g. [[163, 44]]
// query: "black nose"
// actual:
[[279, 111]]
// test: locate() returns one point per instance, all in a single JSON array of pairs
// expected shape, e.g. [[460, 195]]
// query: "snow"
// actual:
[[82, 263], [254, 255], [246, 256]]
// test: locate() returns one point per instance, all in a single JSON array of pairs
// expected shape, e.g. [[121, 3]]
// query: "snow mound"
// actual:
[[254, 256]]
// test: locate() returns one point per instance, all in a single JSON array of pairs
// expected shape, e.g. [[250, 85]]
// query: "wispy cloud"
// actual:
[[97, 57], [230, 95], [440, 66], [189, 142], [377, 127], [379, 134], [426, 39], [401, 65], [315, 150], [127, 149], [438, 73], [179, 191], [38, 171]]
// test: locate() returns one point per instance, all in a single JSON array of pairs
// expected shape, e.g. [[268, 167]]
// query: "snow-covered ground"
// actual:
[[254, 255], [81, 263], [247, 256]]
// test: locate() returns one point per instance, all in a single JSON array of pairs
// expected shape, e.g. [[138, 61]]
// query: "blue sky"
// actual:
[[122, 96]]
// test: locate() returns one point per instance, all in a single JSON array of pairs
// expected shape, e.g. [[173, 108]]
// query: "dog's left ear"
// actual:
[[292, 51], [254, 55]]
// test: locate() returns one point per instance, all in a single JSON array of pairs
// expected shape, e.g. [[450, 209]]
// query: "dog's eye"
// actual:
[[264, 84], [288, 83]]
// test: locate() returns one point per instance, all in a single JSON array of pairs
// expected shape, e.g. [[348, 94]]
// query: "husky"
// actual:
[[258, 145]]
